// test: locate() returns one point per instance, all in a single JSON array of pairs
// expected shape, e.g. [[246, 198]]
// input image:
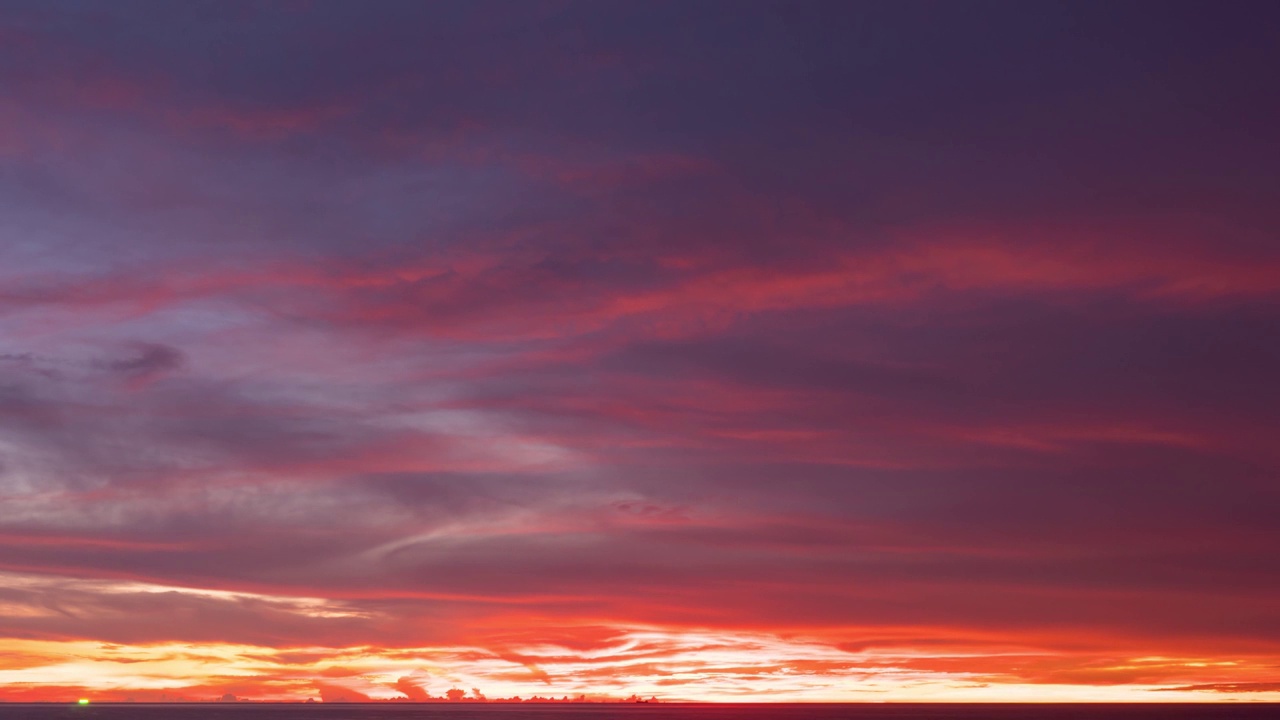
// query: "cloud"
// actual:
[[636, 349], [1260, 687], [412, 690], [151, 362], [332, 693]]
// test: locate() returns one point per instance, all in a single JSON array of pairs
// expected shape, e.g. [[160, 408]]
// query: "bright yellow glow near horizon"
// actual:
[[705, 666]]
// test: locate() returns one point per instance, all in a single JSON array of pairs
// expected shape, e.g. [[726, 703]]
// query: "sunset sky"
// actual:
[[817, 351]]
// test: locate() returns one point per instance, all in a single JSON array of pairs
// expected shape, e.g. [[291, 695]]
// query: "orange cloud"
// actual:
[[705, 665]]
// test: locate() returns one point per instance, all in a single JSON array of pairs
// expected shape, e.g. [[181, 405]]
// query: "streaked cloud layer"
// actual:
[[717, 351]]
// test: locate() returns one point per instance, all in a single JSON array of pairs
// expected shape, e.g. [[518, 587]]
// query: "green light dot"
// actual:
[[83, 701]]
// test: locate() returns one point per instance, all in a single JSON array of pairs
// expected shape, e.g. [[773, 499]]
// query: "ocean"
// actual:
[[624, 711]]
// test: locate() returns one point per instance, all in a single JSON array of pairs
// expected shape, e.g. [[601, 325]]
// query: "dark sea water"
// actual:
[[623, 711]]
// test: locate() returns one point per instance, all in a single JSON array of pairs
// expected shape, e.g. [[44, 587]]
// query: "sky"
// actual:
[[799, 351]]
